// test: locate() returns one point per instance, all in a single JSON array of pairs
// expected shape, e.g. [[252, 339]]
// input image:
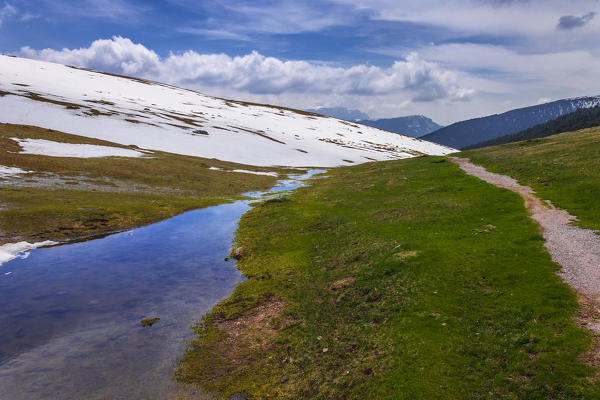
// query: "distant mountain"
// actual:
[[340, 113], [465, 133], [412, 125], [580, 119]]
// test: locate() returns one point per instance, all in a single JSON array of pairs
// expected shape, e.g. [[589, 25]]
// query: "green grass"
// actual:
[[400, 280], [110, 193], [563, 168]]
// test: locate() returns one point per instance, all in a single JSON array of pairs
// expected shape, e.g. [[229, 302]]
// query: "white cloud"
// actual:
[[107, 10], [412, 78], [7, 11], [501, 69], [482, 16], [29, 16], [215, 34], [116, 55], [543, 100]]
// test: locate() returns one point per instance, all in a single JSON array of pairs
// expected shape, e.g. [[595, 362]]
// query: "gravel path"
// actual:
[[577, 250]]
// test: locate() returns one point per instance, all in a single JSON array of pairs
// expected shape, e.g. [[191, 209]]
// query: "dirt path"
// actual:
[[577, 250]]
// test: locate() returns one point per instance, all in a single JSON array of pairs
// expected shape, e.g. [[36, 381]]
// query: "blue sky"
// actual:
[[449, 60]]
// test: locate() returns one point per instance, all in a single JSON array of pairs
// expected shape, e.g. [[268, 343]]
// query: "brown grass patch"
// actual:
[[588, 317], [342, 283], [403, 255], [233, 345], [248, 327], [259, 133]]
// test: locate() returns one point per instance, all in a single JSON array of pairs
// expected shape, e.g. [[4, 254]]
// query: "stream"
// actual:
[[70, 314]]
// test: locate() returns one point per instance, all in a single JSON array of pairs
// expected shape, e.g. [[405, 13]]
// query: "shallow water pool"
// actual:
[[70, 315]]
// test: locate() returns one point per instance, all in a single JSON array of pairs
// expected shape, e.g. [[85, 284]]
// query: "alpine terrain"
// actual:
[[155, 116]]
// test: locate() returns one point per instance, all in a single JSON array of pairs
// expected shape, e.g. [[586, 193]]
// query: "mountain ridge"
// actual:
[[580, 119], [476, 130], [412, 125]]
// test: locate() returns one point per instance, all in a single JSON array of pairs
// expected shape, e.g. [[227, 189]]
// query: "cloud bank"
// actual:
[[254, 73]]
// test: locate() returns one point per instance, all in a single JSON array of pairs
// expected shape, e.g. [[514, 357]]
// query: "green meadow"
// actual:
[[403, 280]]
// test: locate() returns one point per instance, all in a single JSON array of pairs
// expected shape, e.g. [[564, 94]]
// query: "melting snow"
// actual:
[[255, 172], [6, 172], [160, 117], [57, 149], [245, 171], [10, 251]]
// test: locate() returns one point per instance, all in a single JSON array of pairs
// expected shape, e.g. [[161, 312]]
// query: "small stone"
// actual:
[[147, 322], [325, 350], [319, 337], [284, 379], [239, 396], [237, 253]]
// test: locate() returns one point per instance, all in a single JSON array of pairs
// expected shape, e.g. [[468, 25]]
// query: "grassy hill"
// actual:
[[563, 168], [401, 280], [580, 119]]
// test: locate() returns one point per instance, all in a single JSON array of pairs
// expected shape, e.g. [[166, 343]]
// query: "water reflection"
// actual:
[[69, 315]]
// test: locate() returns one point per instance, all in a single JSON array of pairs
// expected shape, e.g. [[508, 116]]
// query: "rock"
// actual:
[[284, 379], [325, 350], [278, 199], [149, 321], [237, 253]]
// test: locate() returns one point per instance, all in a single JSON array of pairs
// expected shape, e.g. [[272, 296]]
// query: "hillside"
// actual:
[[580, 119], [465, 133], [412, 125], [154, 116]]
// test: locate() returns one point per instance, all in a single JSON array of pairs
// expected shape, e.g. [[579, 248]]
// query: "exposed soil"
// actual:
[[576, 249]]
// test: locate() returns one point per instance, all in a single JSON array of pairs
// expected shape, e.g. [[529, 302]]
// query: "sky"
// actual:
[[449, 60]]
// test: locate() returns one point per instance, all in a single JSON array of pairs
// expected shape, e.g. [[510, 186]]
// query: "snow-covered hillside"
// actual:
[[155, 116]]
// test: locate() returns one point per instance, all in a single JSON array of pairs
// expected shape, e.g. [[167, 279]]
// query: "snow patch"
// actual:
[[245, 171], [57, 149], [155, 116], [7, 172], [10, 251]]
